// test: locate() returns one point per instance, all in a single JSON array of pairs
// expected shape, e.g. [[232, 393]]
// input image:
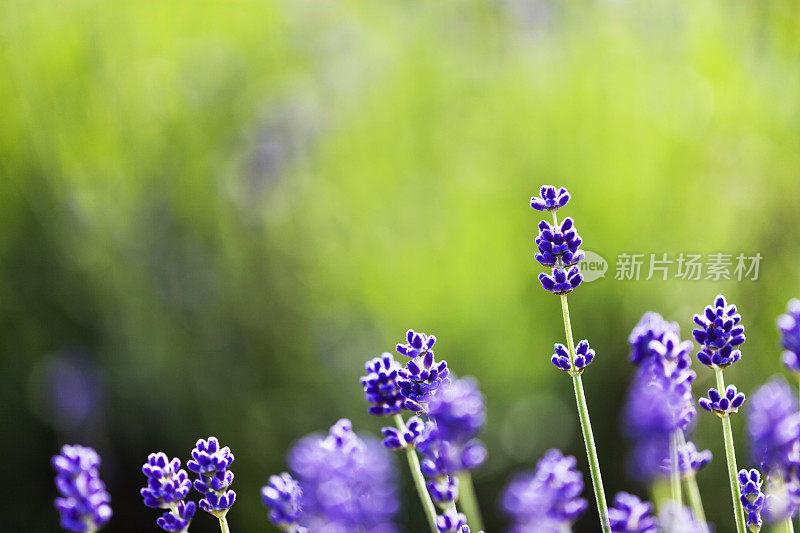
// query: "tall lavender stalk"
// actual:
[[558, 248], [720, 331], [382, 391], [211, 462]]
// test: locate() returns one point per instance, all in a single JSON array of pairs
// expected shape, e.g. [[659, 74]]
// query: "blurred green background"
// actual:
[[212, 213]]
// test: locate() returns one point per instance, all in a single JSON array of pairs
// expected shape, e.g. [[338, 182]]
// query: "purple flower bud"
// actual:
[[282, 497], [751, 497], [451, 521], [380, 387], [549, 498], [789, 326], [167, 486], [773, 424], [348, 483], [443, 490], [422, 375], [84, 503], [722, 404], [211, 463], [719, 332], [690, 460], [629, 514], [651, 326], [550, 198]]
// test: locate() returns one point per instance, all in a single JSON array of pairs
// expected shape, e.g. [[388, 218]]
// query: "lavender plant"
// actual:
[[559, 248], [210, 462], [719, 332], [751, 498], [167, 488], [84, 504], [282, 497]]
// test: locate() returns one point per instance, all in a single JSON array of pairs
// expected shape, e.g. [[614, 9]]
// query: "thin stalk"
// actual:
[[788, 525], [223, 524], [730, 454], [692, 490], [419, 479], [469, 503], [586, 425], [675, 471]]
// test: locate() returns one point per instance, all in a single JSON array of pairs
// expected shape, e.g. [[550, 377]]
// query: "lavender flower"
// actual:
[[722, 405], [442, 457], [551, 198], [675, 518], [773, 424], [658, 405], [282, 497], [651, 326], [459, 410], [84, 502], [395, 439], [690, 460], [380, 387], [211, 463], [167, 486], [751, 497], [451, 521], [789, 326], [558, 245], [629, 514], [422, 375], [561, 282], [782, 498], [348, 483], [583, 357], [549, 498], [179, 518], [720, 332]]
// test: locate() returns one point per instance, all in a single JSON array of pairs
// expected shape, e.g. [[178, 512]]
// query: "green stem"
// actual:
[[419, 479], [223, 524], [675, 471], [692, 490], [586, 425], [468, 501], [788, 525], [730, 454]]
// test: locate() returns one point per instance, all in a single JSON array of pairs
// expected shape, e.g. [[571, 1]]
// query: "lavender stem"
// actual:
[[586, 425], [730, 454], [469, 503], [419, 479]]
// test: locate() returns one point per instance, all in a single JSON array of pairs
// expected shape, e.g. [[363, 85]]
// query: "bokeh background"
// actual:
[[212, 213]]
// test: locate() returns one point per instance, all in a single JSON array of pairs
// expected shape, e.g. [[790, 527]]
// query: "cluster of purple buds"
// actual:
[[584, 355], [720, 332], [789, 326], [650, 327], [211, 463], [422, 375], [773, 425], [558, 245], [548, 498], [448, 443], [348, 483], [282, 496], [397, 439], [84, 504], [551, 198], [167, 486], [722, 404], [380, 387], [629, 514], [751, 497], [690, 460]]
